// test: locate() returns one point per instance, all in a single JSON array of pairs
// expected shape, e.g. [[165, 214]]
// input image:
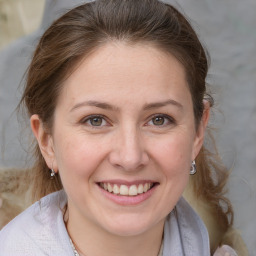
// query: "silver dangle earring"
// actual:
[[193, 168], [52, 173]]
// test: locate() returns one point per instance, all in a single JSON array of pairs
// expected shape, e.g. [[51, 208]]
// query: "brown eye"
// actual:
[[95, 121], [161, 120], [158, 120]]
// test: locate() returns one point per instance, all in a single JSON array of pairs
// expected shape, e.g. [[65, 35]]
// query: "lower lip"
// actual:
[[128, 200]]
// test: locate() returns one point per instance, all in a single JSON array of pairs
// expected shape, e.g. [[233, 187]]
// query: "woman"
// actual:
[[117, 102]]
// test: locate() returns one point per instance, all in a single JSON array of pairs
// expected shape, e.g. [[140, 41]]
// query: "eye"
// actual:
[[158, 120], [161, 120], [95, 121]]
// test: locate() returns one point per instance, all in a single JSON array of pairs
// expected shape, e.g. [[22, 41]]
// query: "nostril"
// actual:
[[128, 151], [130, 161]]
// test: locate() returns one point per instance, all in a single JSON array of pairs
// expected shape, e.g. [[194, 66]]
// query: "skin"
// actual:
[[130, 145]]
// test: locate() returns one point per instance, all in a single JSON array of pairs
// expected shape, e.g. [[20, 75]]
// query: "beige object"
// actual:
[[19, 18], [232, 237], [14, 194]]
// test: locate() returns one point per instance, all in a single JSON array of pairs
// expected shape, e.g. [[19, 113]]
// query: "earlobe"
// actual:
[[44, 140], [199, 140]]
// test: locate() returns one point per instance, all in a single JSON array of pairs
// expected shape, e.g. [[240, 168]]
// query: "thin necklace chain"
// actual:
[[74, 248]]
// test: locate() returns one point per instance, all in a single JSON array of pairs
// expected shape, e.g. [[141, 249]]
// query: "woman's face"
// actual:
[[123, 138]]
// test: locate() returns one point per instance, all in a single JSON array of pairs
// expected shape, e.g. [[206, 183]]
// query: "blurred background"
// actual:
[[19, 18], [227, 29]]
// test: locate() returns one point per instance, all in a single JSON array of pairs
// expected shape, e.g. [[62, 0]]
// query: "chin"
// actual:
[[128, 231], [132, 226]]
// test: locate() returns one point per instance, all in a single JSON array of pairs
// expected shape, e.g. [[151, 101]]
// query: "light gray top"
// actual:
[[40, 230]]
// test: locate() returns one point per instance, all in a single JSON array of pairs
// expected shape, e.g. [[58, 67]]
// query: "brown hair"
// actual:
[[84, 29]]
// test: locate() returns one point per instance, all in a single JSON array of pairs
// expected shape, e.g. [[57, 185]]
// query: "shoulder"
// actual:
[[190, 220], [35, 229], [18, 232], [185, 233], [225, 250]]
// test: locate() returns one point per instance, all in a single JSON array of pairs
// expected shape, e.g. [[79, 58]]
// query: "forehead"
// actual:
[[120, 69]]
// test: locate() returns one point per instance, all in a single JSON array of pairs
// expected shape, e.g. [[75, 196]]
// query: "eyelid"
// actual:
[[168, 117], [87, 118]]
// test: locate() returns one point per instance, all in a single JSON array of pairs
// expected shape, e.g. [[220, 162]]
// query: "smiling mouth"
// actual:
[[124, 190]]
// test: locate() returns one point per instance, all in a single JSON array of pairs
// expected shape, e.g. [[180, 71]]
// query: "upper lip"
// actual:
[[127, 183]]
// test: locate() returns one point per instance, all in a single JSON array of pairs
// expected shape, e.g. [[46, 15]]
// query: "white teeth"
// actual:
[[125, 190], [133, 191], [146, 187], [110, 189], [116, 189], [140, 189]]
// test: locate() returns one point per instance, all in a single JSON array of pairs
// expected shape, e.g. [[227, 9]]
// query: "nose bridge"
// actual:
[[129, 151]]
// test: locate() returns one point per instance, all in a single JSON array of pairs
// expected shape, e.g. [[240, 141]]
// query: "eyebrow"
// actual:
[[91, 103], [163, 104], [104, 105]]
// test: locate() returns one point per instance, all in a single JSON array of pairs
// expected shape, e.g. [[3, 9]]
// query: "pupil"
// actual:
[[96, 121], [158, 120]]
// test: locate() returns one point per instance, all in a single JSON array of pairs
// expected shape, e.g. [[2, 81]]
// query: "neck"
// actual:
[[89, 239], [55, 8]]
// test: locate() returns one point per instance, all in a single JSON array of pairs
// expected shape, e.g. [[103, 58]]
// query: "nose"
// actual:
[[128, 150]]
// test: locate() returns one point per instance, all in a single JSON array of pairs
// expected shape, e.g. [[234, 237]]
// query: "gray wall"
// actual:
[[228, 29]]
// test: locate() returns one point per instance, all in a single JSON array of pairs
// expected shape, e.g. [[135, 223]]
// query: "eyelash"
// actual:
[[166, 118], [90, 119]]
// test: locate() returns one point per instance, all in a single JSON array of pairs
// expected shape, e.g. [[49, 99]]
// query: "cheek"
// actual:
[[174, 153], [172, 157], [76, 156]]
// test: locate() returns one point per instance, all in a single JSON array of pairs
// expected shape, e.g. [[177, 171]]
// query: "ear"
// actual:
[[199, 138], [44, 140]]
